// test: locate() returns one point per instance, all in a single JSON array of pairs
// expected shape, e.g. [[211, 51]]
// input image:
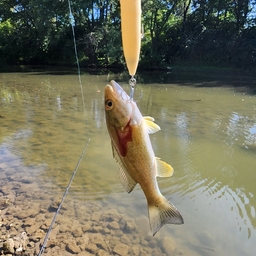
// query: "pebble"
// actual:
[[8, 246], [157, 251], [143, 241], [110, 216], [37, 235], [113, 225], [96, 216], [121, 249], [6, 190], [73, 248], [135, 250], [102, 253], [91, 228], [85, 253], [77, 232], [152, 243], [87, 227], [143, 253], [168, 246], [122, 224], [125, 239], [92, 248], [130, 226]]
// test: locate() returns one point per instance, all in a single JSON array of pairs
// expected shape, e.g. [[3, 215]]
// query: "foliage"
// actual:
[[212, 32]]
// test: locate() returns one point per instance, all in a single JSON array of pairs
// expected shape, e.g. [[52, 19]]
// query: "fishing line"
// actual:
[[62, 200], [72, 22]]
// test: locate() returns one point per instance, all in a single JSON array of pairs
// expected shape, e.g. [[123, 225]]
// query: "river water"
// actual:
[[208, 134]]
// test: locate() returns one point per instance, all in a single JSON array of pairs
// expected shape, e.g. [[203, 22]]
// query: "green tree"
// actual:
[[206, 31]]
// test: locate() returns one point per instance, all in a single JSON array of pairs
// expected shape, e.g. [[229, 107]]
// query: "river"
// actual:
[[208, 135]]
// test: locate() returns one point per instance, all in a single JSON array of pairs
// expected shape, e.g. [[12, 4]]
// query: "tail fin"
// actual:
[[163, 213]]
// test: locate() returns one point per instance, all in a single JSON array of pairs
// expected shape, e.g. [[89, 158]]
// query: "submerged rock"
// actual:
[[92, 248], [113, 225], [82, 229], [77, 232], [121, 249], [87, 227], [168, 246], [102, 253], [8, 246], [110, 216], [73, 248], [130, 226]]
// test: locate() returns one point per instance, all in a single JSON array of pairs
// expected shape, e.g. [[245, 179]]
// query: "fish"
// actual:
[[132, 149]]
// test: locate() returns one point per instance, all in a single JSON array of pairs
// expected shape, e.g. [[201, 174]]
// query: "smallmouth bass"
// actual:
[[131, 146]]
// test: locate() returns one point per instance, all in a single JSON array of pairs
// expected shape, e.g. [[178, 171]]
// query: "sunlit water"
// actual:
[[208, 135]]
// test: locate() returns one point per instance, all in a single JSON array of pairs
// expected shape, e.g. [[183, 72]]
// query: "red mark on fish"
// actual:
[[124, 136]]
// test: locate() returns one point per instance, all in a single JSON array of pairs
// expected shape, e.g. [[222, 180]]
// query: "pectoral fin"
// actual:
[[163, 169], [151, 126], [126, 180]]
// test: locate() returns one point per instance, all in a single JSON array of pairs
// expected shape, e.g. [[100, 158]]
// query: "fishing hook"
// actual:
[[132, 83]]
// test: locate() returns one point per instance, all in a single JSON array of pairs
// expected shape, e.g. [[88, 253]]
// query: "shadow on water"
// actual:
[[59, 71], [237, 80], [244, 82]]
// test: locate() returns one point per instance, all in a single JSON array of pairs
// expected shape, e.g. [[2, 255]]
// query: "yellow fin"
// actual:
[[151, 126], [163, 169], [149, 118]]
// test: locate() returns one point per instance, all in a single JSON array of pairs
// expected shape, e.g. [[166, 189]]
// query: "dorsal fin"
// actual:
[[163, 169], [149, 118], [151, 126]]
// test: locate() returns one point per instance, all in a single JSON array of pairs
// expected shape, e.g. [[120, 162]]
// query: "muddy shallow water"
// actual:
[[208, 135]]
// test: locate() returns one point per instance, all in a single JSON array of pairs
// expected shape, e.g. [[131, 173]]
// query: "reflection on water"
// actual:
[[208, 135]]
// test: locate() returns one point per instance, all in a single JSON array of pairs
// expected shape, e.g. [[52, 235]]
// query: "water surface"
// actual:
[[208, 134]]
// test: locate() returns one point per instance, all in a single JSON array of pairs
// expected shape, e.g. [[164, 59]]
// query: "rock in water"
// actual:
[[8, 246], [121, 249], [168, 245]]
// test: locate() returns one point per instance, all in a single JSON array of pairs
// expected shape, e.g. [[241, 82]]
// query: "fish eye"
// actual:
[[109, 104]]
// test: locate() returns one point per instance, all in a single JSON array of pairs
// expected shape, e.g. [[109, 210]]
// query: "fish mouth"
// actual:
[[115, 91], [119, 90], [109, 92], [116, 87]]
